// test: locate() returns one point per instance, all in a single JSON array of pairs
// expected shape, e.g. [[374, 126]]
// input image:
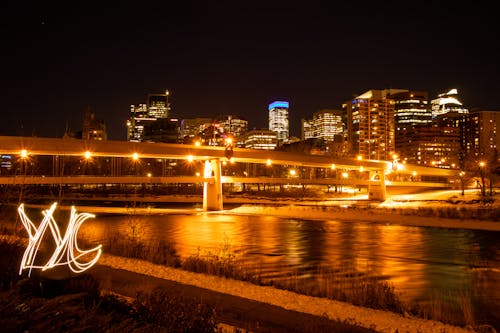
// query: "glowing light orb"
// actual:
[[66, 252]]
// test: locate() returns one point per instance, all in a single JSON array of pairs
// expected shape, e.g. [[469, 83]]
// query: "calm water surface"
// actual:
[[418, 261]]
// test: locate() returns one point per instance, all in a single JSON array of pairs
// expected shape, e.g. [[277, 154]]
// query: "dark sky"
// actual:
[[234, 57]]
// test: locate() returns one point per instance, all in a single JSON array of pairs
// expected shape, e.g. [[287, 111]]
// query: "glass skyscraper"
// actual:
[[278, 120]]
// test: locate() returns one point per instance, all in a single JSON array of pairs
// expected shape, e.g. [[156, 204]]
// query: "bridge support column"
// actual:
[[376, 187], [212, 191]]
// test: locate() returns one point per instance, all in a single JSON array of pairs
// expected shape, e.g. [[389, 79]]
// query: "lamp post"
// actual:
[[462, 185], [481, 171]]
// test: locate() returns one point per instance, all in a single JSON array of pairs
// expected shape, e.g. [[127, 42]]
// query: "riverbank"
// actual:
[[345, 210], [377, 320]]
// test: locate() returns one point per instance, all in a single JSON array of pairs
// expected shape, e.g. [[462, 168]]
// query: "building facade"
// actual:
[[236, 127], [433, 146], [261, 139], [411, 109], [371, 124], [448, 102], [278, 120], [146, 118], [158, 105], [325, 124], [481, 136]]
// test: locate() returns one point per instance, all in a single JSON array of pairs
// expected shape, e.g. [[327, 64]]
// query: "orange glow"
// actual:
[[23, 153], [190, 158], [135, 156], [268, 162], [88, 154]]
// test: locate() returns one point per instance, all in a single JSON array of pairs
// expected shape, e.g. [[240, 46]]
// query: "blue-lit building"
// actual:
[[278, 120]]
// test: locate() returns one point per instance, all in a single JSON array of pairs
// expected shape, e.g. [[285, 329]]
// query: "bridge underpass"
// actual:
[[212, 157]]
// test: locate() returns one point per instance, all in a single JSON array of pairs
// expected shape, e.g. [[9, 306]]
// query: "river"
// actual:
[[419, 261]]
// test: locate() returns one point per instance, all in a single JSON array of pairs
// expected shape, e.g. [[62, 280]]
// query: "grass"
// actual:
[[332, 283], [78, 304]]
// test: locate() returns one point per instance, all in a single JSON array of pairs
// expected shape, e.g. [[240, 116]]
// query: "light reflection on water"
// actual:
[[416, 260]]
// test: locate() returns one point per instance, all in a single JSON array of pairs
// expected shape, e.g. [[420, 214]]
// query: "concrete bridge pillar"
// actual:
[[212, 190], [376, 187]]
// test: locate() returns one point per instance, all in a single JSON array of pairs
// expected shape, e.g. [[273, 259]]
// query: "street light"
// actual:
[[482, 164], [462, 181]]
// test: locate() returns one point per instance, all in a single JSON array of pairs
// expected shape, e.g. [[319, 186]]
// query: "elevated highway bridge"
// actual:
[[212, 178]]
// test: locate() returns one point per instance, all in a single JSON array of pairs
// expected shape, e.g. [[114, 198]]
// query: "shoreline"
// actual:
[[391, 213]]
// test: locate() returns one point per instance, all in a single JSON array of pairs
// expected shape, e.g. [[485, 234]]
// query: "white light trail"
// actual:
[[66, 248]]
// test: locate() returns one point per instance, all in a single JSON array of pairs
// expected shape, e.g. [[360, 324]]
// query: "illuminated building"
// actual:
[[431, 146], [192, 127], [325, 124], [481, 135], [145, 115], [235, 126], [92, 128], [371, 124], [138, 120], [278, 120], [261, 139], [158, 105], [446, 103], [411, 108]]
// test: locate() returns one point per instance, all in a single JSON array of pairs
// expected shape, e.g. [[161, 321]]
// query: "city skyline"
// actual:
[[231, 58]]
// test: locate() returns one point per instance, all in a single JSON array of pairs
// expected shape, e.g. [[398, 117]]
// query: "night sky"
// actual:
[[234, 57]]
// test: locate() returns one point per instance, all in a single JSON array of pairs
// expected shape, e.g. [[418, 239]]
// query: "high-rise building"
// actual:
[[158, 105], [236, 127], [278, 120], [92, 128], [325, 124], [145, 114], [431, 146], [411, 109], [371, 124], [481, 136], [139, 118], [261, 139], [446, 103]]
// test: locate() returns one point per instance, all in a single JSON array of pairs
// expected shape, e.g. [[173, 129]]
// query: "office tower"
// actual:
[[92, 128], [158, 105], [371, 124], [325, 124], [481, 136], [411, 109], [261, 139], [431, 146], [278, 120], [447, 103], [143, 116], [236, 127], [138, 120]]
